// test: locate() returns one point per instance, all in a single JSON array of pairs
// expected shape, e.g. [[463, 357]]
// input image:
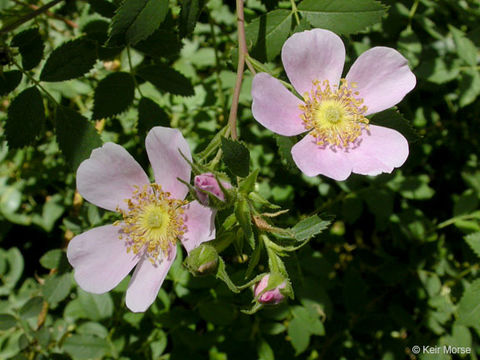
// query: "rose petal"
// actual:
[[312, 159], [200, 222], [147, 280], [100, 259], [163, 148], [108, 177], [383, 78], [381, 150], [313, 55], [275, 107]]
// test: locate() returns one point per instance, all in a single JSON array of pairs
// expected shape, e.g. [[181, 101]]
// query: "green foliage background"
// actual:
[[399, 265]]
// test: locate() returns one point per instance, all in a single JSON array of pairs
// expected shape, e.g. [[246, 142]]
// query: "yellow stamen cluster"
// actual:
[[153, 221], [335, 115]]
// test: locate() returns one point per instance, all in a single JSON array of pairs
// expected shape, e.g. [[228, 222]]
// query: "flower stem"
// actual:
[[295, 12], [242, 52], [132, 71], [29, 16]]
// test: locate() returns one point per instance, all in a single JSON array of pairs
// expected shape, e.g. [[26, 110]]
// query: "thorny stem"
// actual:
[[242, 53], [29, 16], [35, 81]]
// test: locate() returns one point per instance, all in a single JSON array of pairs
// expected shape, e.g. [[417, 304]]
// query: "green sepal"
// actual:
[[202, 260], [243, 215], [223, 275], [277, 269], [257, 306], [247, 185], [257, 198]]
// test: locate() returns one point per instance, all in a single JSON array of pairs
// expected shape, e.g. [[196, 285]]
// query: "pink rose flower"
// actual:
[[270, 297], [154, 215], [333, 111], [208, 183]]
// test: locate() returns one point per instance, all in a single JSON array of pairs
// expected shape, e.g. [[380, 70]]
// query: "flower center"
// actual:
[[153, 221], [335, 115]]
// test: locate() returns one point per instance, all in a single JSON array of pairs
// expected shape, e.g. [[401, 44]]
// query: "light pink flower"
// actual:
[[333, 110], [270, 297], [154, 217], [208, 183]]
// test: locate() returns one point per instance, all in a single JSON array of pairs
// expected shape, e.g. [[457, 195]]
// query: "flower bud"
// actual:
[[202, 260], [270, 297], [206, 183]]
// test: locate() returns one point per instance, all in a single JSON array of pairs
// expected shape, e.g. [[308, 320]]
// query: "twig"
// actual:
[[242, 53], [28, 17], [36, 82], [49, 13]]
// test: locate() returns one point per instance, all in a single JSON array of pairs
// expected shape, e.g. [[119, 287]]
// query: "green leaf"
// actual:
[[103, 7], [342, 17], [119, 86], [76, 136], [219, 313], [236, 156], [7, 321], [285, 145], [166, 79], [410, 46], [310, 320], [299, 335], [26, 118], [84, 347], [12, 269], [394, 120], [412, 187], [93, 328], [268, 33], [9, 80], [354, 291], [136, 20], [189, 14], [70, 60], [161, 44], [57, 288], [469, 306], [439, 70], [469, 87], [309, 227], [466, 49], [96, 306], [52, 259], [473, 240], [150, 114], [31, 47], [264, 351], [32, 308]]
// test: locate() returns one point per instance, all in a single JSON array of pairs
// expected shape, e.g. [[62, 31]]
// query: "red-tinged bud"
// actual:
[[270, 297], [206, 183]]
